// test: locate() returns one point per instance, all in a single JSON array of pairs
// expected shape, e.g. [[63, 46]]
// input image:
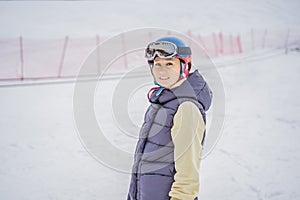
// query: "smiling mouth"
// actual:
[[163, 78]]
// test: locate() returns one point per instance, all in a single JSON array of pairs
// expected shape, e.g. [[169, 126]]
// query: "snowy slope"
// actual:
[[257, 156]]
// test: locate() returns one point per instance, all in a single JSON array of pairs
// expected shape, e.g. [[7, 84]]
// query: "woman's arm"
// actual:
[[187, 133]]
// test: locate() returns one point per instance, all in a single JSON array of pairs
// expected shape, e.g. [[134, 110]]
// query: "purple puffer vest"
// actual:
[[153, 169]]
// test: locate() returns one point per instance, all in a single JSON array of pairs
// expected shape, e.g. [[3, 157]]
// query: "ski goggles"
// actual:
[[165, 50]]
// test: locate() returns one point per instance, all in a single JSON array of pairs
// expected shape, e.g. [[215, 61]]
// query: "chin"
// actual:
[[165, 85]]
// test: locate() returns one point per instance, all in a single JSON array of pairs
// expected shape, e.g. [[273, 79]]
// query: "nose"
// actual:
[[162, 70], [163, 67]]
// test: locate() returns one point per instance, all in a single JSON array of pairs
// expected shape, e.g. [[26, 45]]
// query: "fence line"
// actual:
[[62, 57], [21, 59], [40, 55]]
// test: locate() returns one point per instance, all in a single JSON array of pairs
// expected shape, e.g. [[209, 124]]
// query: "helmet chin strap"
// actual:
[[160, 88], [182, 70], [157, 89], [181, 73]]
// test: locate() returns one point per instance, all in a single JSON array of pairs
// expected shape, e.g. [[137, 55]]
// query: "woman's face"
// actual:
[[166, 71]]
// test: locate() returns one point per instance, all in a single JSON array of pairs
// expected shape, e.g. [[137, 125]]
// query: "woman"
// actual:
[[168, 152]]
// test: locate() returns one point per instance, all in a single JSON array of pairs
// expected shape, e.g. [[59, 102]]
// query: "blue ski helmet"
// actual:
[[184, 56], [177, 42]]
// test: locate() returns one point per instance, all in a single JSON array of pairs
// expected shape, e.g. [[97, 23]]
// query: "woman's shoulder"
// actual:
[[188, 107]]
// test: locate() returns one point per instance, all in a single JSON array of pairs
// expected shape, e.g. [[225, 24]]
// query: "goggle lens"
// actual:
[[161, 49]]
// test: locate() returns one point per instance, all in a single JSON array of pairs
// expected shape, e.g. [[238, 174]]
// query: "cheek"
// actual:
[[175, 71], [174, 75], [155, 72]]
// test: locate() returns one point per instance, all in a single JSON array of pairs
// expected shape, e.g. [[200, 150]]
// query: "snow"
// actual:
[[86, 18], [257, 156]]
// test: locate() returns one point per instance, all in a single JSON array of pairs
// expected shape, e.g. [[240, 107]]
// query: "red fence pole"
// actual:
[[62, 57], [215, 43], [21, 58], [221, 50], [231, 44], [265, 38], [98, 54], [238, 40], [200, 40], [286, 41]]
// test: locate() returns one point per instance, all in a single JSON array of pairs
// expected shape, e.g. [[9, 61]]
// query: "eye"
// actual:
[[169, 64], [157, 65]]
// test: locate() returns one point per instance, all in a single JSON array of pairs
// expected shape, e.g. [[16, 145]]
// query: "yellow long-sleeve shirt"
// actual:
[[187, 133]]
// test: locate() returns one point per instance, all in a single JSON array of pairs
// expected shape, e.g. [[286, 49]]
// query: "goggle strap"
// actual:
[[184, 50]]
